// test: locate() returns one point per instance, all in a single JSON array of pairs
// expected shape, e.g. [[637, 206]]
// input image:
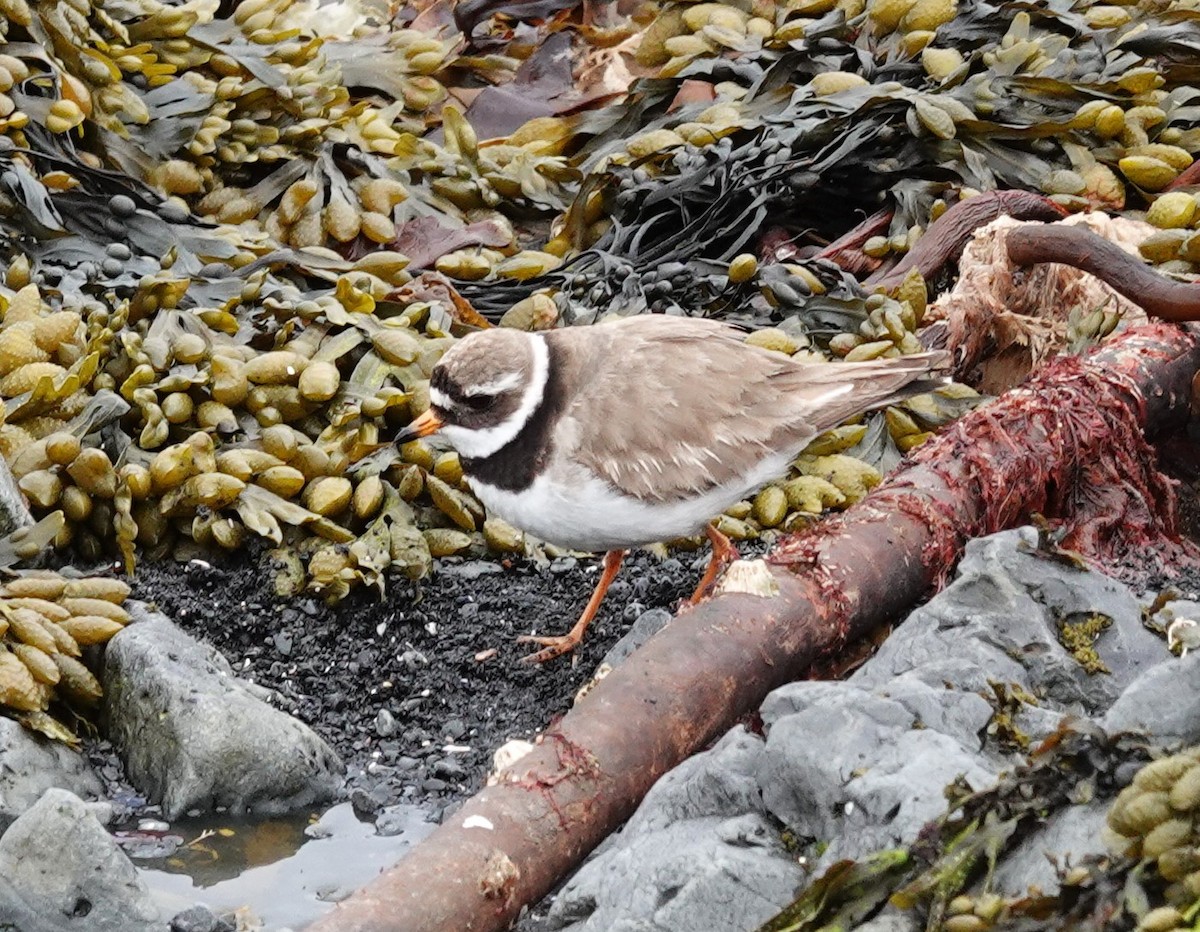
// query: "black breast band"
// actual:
[[517, 464]]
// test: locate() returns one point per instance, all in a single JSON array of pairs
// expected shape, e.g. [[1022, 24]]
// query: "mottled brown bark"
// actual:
[[512, 842]]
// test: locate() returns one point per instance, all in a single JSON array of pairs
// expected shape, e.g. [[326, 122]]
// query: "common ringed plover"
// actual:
[[636, 430]]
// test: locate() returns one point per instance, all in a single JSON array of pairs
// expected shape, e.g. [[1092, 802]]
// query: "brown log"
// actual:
[[512, 842], [947, 236], [1126, 274]]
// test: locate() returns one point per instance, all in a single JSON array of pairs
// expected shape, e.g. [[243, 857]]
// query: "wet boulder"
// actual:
[[194, 737], [60, 870], [31, 764], [700, 853], [1162, 702], [1008, 617]]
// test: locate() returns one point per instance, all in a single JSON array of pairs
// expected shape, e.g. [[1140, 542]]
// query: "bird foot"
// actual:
[[555, 646]]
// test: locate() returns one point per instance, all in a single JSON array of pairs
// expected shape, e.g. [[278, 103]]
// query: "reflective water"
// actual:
[[286, 872]]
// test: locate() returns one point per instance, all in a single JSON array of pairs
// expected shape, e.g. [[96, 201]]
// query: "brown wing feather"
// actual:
[[668, 408]]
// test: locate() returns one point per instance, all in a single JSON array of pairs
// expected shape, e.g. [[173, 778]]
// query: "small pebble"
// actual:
[[449, 769], [200, 919], [385, 724]]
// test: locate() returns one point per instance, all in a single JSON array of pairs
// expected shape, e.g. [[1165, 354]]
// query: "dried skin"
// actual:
[[1016, 316]]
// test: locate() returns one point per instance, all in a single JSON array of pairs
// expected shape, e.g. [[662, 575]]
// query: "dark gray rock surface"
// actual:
[[31, 764], [200, 919], [853, 770], [1069, 833], [856, 766], [60, 870], [195, 737], [647, 625], [701, 853]]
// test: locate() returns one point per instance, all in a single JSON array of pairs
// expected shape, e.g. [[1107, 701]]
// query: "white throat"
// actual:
[[483, 442]]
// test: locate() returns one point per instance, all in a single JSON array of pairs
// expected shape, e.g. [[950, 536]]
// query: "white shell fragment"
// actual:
[[506, 755], [751, 577], [478, 821], [1186, 633]]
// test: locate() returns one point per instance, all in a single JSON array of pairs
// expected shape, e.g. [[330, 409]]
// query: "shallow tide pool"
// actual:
[[282, 872]]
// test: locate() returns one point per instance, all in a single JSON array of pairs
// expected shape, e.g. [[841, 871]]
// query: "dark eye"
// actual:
[[480, 402]]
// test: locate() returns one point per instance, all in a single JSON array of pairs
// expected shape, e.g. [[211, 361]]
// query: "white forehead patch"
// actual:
[[496, 387], [439, 399]]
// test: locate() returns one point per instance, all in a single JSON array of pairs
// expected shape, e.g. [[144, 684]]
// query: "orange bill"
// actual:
[[428, 423]]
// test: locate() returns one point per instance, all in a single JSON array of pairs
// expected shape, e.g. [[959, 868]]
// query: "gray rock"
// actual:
[[716, 874], [1163, 702], [1070, 833], [31, 764], [200, 919], [721, 782], [645, 627], [699, 853], [193, 736], [861, 765], [998, 621], [385, 723], [856, 771], [60, 870]]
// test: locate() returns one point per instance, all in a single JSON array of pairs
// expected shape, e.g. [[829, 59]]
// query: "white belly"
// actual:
[[586, 513]]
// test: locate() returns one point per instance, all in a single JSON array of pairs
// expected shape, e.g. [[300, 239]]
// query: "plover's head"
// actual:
[[484, 390]]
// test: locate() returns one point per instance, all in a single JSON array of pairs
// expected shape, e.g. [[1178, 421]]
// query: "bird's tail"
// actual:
[[877, 383]]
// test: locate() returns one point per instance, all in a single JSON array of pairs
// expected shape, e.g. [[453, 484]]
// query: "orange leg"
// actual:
[[557, 645], [723, 553]]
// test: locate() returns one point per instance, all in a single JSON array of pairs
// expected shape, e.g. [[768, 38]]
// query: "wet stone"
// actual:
[[192, 735], [30, 765], [367, 802], [200, 919], [449, 769], [857, 766], [59, 864]]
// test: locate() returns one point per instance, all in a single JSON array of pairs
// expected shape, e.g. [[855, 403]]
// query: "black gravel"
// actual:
[[392, 684]]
